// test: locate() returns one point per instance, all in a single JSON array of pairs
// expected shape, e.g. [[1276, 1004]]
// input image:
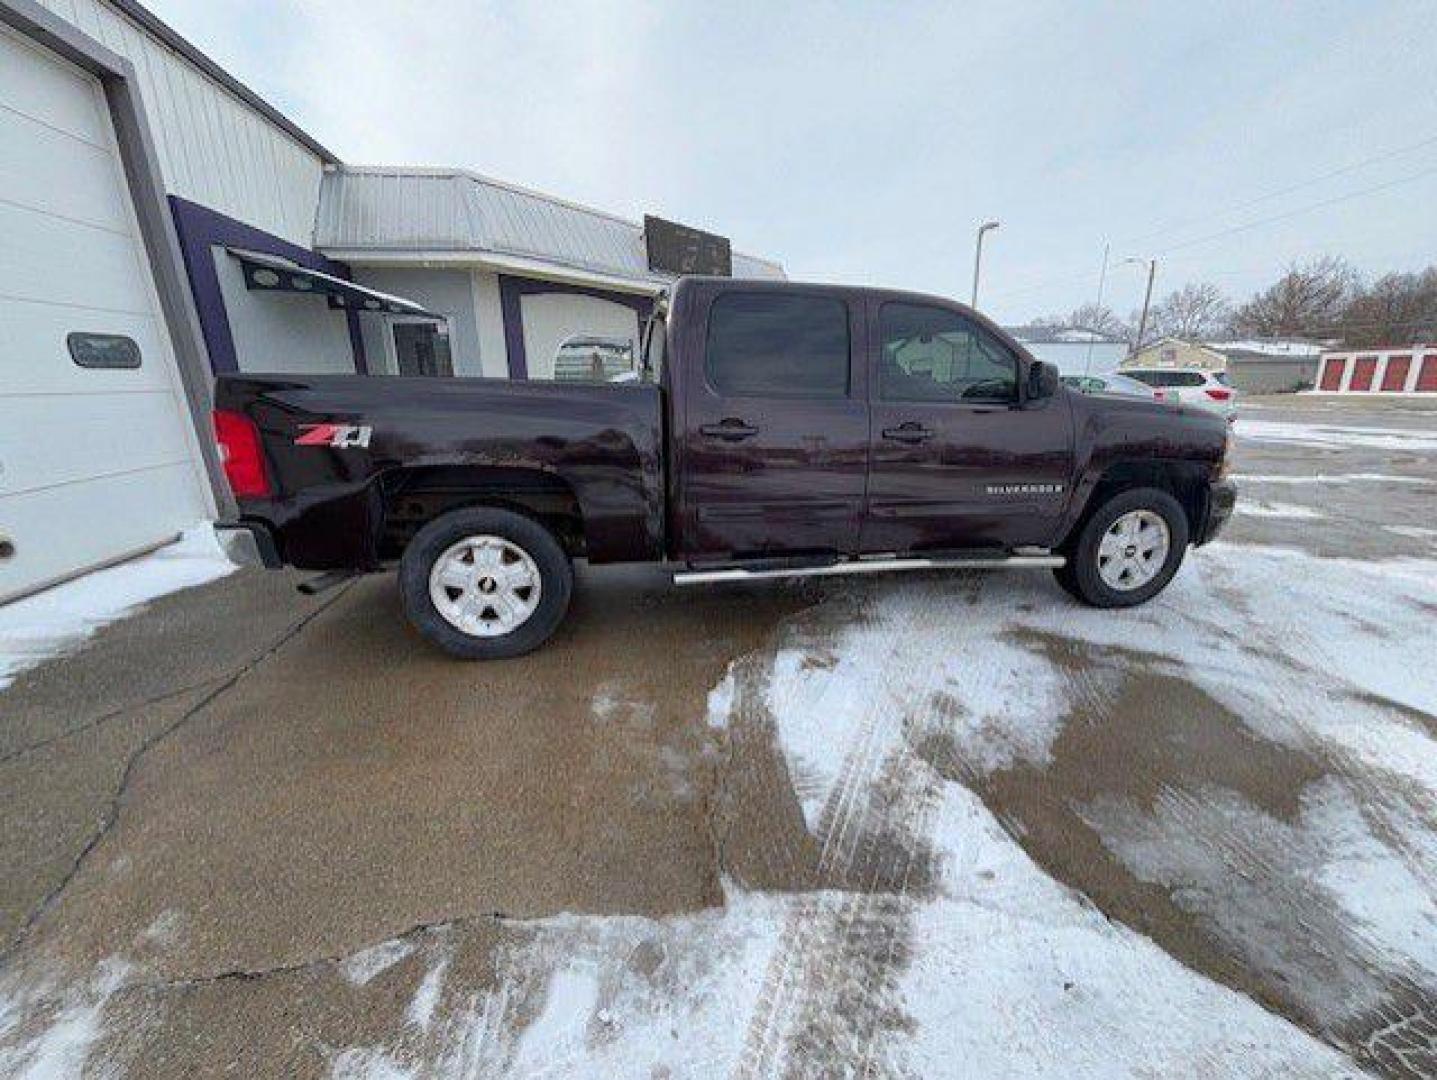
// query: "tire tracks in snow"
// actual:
[[829, 993]]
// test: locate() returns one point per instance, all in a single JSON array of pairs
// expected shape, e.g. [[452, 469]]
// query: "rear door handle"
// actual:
[[731, 429], [909, 433]]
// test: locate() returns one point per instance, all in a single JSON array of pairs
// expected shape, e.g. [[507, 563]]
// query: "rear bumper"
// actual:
[[248, 543], [1221, 498]]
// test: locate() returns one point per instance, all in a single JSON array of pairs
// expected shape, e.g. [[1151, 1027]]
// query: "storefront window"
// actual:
[[422, 348]]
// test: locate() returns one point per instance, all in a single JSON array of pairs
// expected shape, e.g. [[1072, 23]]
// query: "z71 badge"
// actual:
[[340, 436]]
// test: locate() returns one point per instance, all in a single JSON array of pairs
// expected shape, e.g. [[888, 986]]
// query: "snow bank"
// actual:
[[51, 622]]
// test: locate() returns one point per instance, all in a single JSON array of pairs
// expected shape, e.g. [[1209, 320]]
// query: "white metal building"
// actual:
[[100, 455], [159, 223], [514, 273], [1076, 350]]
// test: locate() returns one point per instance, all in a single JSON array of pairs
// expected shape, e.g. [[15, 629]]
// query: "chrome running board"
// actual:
[[869, 566]]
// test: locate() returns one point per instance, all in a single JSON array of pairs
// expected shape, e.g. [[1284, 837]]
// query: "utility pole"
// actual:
[[978, 258], [1147, 299], [1102, 280]]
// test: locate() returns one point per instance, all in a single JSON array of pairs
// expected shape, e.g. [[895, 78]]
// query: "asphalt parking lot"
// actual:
[[920, 826]]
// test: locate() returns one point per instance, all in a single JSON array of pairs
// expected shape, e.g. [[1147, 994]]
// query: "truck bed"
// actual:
[[345, 454]]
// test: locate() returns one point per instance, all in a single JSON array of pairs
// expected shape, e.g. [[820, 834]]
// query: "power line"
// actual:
[[1355, 166], [1301, 210], [1244, 227]]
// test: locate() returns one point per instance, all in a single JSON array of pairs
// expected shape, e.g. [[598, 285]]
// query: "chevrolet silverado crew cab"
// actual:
[[778, 429]]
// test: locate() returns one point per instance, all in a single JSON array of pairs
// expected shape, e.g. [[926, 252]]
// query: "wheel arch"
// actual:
[[1184, 480], [416, 495]]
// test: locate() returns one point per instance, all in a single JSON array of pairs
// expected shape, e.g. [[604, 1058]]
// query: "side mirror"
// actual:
[[1042, 380]]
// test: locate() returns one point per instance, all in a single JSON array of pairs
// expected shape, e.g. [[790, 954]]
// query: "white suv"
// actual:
[[1189, 386]]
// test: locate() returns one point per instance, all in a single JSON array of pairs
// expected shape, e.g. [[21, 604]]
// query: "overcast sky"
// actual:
[[864, 143]]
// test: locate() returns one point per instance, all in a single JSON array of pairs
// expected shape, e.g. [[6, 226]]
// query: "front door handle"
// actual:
[[909, 433], [731, 430]]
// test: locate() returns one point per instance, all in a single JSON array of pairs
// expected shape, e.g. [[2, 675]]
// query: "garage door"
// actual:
[[97, 453]]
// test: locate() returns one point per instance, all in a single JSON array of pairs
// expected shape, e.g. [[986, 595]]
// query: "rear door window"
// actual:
[[1153, 378], [778, 345]]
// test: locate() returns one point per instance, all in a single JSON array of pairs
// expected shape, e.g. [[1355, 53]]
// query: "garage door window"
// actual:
[[103, 350]]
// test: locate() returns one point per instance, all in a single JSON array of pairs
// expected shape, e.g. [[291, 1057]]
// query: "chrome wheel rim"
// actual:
[[1134, 550], [485, 586]]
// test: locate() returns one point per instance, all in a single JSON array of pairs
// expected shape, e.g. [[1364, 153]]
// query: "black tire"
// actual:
[[1080, 577], [556, 581]]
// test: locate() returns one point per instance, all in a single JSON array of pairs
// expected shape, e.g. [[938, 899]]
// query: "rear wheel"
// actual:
[[484, 583], [1128, 551]]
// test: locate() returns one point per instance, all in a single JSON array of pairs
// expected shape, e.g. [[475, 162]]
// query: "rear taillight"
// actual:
[[241, 454], [1217, 393], [1224, 465], [1160, 395]]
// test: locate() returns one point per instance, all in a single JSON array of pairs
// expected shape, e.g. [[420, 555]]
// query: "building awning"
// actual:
[[271, 273]]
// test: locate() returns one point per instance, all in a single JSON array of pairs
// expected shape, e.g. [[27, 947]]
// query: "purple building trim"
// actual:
[[199, 229], [514, 289]]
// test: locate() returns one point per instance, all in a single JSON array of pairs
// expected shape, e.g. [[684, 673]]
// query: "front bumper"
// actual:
[[248, 543], [1221, 498]]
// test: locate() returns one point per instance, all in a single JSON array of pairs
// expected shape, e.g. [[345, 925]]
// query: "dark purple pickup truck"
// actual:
[[778, 429]]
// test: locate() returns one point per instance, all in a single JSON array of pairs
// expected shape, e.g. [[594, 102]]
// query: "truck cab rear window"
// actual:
[[774, 345]]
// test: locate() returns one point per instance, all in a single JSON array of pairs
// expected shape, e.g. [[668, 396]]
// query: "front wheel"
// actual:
[[484, 583], [1128, 550]]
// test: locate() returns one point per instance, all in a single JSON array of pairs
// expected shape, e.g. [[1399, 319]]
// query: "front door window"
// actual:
[[936, 355]]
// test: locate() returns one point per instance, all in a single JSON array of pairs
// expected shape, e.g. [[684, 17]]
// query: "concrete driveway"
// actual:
[[923, 826]]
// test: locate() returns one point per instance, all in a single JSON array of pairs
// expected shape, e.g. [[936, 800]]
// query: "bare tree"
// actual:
[[1089, 316], [1399, 309], [1105, 320], [1198, 310], [1307, 301]]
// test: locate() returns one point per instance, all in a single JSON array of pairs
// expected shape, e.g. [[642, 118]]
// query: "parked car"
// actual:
[[1110, 384], [782, 430], [1189, 386]]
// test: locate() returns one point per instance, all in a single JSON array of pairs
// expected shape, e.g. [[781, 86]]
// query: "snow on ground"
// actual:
[[1412, 532], [1327, 479], [1308, 651], [953, 953], [74, 1023], [38, 627], [1332, 435], [1013, 975], [1293, 511]]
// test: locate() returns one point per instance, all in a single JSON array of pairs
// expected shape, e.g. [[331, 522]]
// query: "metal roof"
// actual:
[[450, 210], [1062, 335]]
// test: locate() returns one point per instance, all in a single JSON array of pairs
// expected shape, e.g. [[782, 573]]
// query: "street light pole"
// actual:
[[1147, 299], [978, 258]]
